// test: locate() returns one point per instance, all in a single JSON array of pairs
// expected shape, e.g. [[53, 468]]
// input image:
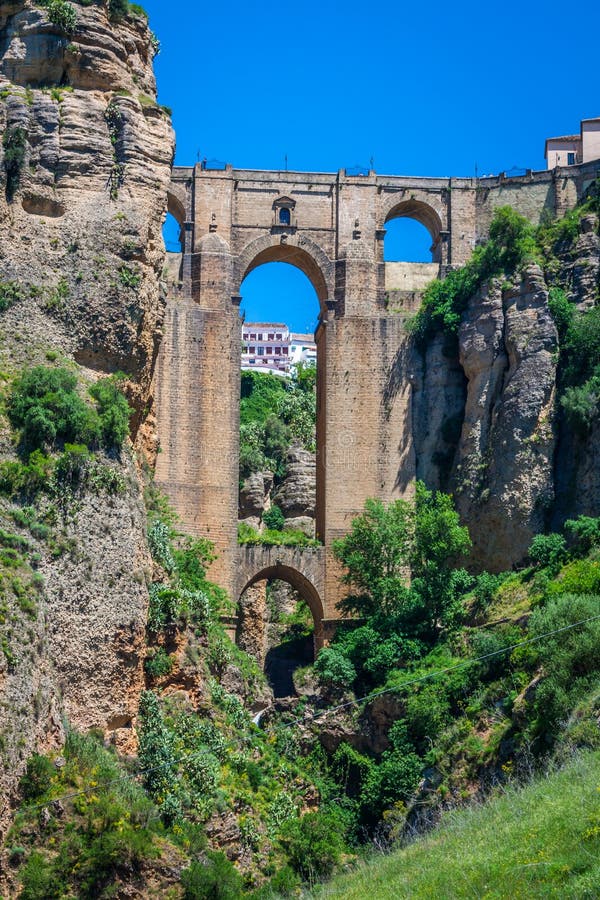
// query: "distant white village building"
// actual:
[[302, 349], [271, 347]]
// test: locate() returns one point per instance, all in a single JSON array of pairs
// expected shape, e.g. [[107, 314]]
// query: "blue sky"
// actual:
[[421, 89]]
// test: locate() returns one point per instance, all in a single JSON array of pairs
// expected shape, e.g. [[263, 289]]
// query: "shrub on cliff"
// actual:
[[511, 243], [216, 878], [61, 14], [45, 406], [14, 143]]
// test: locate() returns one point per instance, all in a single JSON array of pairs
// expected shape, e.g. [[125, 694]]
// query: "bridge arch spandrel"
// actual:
[[297, 250]]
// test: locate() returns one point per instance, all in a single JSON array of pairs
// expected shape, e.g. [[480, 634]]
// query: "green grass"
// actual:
[[541, 841]]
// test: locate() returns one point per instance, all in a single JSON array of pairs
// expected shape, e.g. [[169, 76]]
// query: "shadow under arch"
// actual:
[[304, 254], [425, 214]]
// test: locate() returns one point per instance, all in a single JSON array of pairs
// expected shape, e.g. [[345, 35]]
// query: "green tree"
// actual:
[[376, 554], [387, 544], [439, 542]]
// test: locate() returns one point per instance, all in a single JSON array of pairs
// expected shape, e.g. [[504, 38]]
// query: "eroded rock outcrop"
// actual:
[[82, 209], [84, 171], [503, 479]]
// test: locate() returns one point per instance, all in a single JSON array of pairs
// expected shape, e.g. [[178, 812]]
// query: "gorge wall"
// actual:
[[86, 160]]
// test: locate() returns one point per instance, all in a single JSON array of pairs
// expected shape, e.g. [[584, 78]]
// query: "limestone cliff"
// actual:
[[487, 423], [86, 156], [85, 164]]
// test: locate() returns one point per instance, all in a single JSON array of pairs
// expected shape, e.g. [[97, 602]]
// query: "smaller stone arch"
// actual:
[[302, 569], [298, 251], [176, 202], [423, 210]]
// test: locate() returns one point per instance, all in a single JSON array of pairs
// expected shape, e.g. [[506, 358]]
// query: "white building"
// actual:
[[302, 349], [266, 347], [571, 149], [271, 347]]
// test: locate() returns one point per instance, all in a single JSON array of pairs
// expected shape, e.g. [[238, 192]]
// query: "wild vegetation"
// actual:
[[479, 681], [541, 841], [273, 413]]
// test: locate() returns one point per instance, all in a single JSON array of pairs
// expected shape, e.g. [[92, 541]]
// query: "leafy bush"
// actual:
[[26, 479], [582, 347], [159, 664], [274, 518], [585, 532], [561, 310], [334, 669], [159, 542], [10, 292], [14, 143], [113, 410], [314, 844], [118, 8], [581, 404], [217, 879], [548, 550], [486, 586], [129, 278], [44, 404], [61, 14], [37, 779]]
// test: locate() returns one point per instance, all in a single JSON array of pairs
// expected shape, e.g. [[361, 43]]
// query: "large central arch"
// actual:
[[297, 251]]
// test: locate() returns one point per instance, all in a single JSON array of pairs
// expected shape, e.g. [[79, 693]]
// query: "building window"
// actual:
[[252, 337], [285, 351], [260, 351], [285, 217], [570, 159], [278, 337], [269, 351], [251, 350]]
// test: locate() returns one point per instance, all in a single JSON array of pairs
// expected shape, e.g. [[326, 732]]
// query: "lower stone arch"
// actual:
[[279, 659], [282, 572]]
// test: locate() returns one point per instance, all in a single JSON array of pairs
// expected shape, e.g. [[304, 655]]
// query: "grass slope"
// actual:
[[540, 841]]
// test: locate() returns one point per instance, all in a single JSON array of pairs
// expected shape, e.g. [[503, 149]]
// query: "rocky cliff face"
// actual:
[[86, 157], [84, 169], [487, 423], [295, 494]]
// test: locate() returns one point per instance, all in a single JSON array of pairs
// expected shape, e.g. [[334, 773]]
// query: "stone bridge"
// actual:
[[331, 227], [302, 568]]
